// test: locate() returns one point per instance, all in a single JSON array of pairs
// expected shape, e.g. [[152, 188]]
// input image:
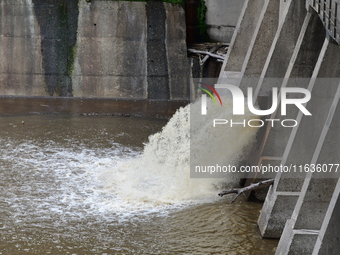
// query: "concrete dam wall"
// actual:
[[104, 49], [285, 44]]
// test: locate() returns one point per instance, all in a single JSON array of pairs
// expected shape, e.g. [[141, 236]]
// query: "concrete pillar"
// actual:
[[259, 46], [262, 40], [293, 14], [328, 238], [300, 65], [242, 37], [302, 142], [318, 193]]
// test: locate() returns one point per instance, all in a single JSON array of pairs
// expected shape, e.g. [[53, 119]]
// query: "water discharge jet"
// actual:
[[162, 173]]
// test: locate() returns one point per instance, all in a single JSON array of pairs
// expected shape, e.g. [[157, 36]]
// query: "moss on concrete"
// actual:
[[201, 12], [58, 23], [71, 56]]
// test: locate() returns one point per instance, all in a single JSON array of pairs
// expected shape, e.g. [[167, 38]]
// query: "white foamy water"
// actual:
[[160, 176], [123, 181]]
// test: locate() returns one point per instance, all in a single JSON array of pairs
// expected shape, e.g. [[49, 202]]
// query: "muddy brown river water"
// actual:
[[70, 185]]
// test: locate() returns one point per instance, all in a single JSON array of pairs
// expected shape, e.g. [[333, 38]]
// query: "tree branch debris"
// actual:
[[253, 186], [206, 50]]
